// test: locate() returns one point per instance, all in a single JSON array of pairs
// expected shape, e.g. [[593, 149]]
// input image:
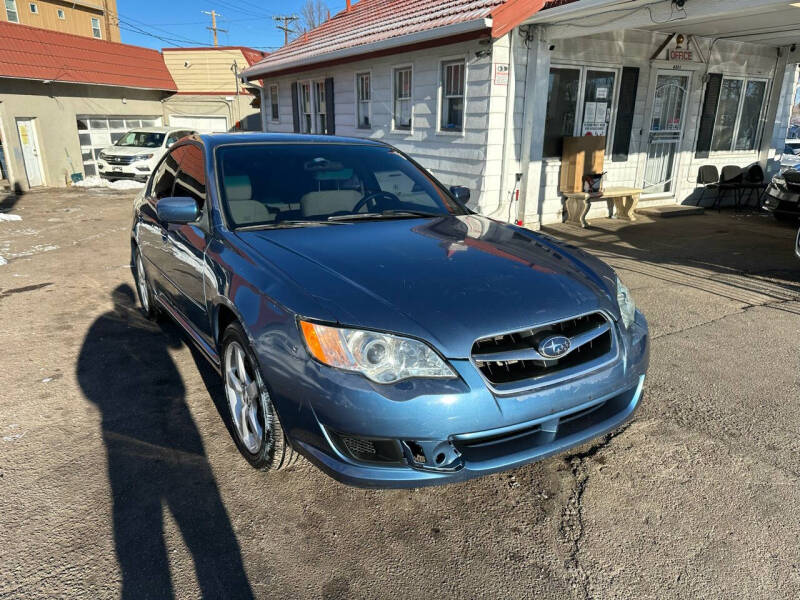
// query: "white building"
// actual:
[[481, 92]]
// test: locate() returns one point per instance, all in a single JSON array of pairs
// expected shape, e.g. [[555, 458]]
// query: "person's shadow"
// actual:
[[156, 457]]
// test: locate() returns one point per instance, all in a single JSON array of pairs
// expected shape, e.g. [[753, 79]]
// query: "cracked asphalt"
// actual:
[[114, 457]]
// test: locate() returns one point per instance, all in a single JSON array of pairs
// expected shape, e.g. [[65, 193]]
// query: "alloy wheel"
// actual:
[[141, 281], [244, 396]]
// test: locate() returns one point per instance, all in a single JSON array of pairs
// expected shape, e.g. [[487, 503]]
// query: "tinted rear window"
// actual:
[[265, 184]]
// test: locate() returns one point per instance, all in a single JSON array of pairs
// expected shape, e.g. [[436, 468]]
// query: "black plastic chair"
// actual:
[[708, 177], [754, 180], [730, 180]]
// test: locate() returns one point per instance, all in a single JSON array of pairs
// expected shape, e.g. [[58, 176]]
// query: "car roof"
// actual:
[[217, 139]]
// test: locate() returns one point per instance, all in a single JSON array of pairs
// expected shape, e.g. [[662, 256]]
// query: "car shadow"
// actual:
[[156, 458]]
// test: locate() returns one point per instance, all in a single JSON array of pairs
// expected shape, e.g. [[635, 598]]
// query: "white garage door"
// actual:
[[201, 124], [96, 132]]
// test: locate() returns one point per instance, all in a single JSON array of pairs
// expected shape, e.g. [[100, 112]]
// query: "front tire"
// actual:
[[257, 430]]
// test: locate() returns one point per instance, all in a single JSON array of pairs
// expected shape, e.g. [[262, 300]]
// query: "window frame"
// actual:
[[99, 29], [359, 100], [394, 128], [745, 79], [441, 95], [320, 106], [304, 87], [61, 14], [584, 69], [275, 116], [13, 3], [32, 6]]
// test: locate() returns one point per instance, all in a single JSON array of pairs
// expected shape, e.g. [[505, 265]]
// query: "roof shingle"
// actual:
[[34, 53], [371, 21]]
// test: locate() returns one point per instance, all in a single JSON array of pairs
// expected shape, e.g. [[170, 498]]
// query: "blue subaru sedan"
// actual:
[[362, 317]]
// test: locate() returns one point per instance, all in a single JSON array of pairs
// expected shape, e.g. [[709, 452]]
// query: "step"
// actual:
[[666, 212]]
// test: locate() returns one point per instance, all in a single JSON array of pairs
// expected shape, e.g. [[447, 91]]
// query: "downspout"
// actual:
[[508, 130]]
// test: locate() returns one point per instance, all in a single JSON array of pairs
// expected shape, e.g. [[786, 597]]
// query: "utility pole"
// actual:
[[285, 27], [214, 27]]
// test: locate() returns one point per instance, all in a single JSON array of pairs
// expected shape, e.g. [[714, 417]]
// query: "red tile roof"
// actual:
[[371, 21], [33, 53]]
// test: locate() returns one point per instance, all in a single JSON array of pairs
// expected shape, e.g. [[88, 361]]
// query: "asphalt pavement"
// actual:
[[118, 475]]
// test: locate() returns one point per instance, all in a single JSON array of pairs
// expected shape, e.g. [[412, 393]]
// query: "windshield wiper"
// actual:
[[285, 225], [386, 214]]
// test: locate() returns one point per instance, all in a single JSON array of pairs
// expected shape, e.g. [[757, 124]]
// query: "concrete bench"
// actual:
[[623, 200]]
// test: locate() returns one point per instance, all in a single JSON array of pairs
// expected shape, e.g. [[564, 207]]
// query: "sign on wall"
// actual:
[[501, 74]]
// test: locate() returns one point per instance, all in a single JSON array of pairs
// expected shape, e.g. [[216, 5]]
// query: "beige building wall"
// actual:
[[77, 16], [55, 108], [205, 70], [234, 109]]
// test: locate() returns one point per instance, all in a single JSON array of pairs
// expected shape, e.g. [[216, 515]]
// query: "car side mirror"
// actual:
[[178, 210], [460, 193]]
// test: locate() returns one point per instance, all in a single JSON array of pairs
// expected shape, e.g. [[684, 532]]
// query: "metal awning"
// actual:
[[768, 22]]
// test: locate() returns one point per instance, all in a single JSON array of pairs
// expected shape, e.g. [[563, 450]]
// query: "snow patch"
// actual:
[[8, 217], [3, 261], [98, 182]]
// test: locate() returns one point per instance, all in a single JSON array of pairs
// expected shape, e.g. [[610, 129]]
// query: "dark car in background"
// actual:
[[361, 316], [782, 196]]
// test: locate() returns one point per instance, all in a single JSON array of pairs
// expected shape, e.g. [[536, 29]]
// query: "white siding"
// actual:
[[455, 159]]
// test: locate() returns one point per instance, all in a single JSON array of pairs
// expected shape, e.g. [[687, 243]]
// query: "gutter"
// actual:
[[578, 9], [259, 70], [114, 85]]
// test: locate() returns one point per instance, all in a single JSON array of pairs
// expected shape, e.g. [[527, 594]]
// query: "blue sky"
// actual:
[[181, 22]]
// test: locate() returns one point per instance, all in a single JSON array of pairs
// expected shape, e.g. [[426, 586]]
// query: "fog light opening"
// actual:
[[440, 458], [417, 453]]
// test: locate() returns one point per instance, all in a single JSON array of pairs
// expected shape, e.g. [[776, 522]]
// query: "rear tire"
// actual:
[[146, 298], [256, 428]]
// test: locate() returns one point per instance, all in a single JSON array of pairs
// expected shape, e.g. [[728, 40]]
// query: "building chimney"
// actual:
[[348, 6]]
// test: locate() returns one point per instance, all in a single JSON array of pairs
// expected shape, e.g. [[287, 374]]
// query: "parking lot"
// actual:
[[697, 497]]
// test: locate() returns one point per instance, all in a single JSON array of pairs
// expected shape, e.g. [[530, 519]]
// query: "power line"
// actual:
[[285, 27]]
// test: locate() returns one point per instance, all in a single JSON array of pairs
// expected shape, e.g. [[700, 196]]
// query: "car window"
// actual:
[[175, 136], [164, 178], [266, 184], [141, 139], [191, 179]]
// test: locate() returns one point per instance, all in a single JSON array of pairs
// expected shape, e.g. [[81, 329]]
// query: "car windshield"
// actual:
[[141, 139], [303, 184]]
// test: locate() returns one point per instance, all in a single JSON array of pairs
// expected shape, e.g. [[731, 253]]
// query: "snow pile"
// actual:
[[8, 217], [98, 182], [3, 261]]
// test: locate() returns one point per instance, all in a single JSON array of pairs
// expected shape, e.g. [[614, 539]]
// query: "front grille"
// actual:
[[516, 357], [118, 160]]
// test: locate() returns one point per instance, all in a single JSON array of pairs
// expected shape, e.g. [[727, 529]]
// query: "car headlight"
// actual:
[[381, 357], [102, 155], [144, 156], [627, 307]]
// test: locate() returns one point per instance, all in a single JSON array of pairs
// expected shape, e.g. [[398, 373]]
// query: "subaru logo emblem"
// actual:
[[554, 346]]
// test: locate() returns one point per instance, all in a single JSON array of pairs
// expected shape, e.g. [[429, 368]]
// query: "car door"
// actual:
[[151, 234], [185, 245]]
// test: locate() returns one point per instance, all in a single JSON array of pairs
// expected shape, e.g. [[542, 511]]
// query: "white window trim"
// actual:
[[745, 79], [301, 107], [32, 6], [99, 28], [584, 67], [277, 118], [440, 95], [392, 124], [315, 85], [16, 12], [61, 14], [369, 102], [312, 103]]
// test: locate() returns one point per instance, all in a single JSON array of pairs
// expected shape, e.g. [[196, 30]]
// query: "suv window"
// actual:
[[164, 179], [175, 136], [191, 179]]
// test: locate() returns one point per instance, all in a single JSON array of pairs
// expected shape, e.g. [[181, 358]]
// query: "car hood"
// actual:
[[449, 280], [130, 150]]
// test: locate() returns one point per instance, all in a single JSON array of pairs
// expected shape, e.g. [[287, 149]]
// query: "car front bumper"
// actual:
[[780, 200], [139, 171], [476, 431]]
